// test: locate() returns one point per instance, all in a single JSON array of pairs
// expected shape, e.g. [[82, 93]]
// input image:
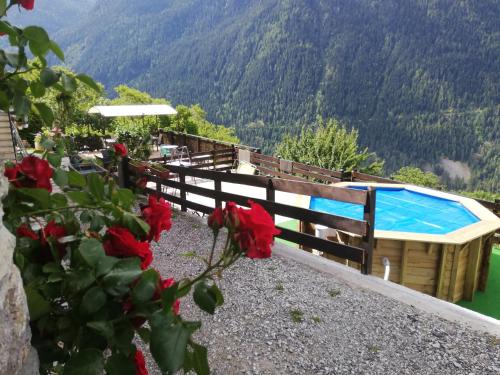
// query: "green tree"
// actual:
[[329, 145], [416, 176], [193, 120]]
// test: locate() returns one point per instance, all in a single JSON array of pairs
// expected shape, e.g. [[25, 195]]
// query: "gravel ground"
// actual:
[[281, 317]]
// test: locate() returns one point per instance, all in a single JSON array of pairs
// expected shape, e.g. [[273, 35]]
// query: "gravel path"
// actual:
[[281, 317]]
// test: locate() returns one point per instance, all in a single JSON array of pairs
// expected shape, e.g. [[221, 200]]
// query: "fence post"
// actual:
[[369, 238], [182, 180], [214, 157], [218, 187], [271, 194], [158, 188], [123, 173]]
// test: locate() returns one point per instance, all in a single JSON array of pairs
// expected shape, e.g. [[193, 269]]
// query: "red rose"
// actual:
[[54, 231], [255, 232], [231, 216], [121, 243], [120, 149], [27, 4], [33, 172], [25, 231], [140, 363], [12, 174], [216, 219], [158, 215]]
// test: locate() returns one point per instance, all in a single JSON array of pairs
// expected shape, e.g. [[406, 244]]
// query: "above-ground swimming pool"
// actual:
[[435, 242], [403, 210]]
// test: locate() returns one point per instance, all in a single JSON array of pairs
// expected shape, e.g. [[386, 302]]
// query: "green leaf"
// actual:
[[135, 224], [57, 50], [146, 287], [200, 359], [105, 265], [68, 83], [60, 177], [47, 143], [51, 267], [89, 82], [119, 364], [80, 197], [38, 40], [58, 200], [21, 104], [123, 273], [219, 298], [45, 113], [124, 198], [97, 223], [169, 295], [54, 159], [80, 279], [39, 196], [49, 77], [205, 297], [3, 7], [6, 28], [37, 89], [75, 179], [104, 328], [96, 186], [122, 339], [85, 362], [145, 334], [92, 300], [38, 306], [92, 251], [181, 288], [168, 342]]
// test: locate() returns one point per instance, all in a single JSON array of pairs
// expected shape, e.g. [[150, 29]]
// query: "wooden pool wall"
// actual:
[[447, 271]]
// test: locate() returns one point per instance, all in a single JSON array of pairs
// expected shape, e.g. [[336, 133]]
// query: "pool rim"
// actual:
[[488, 221]]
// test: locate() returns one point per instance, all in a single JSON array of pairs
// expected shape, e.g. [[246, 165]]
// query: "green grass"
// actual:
[[488, 302], [291, 224], [297, 315]]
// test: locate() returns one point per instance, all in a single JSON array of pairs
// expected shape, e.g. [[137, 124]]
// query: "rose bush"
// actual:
[[84, 254], [84, 250]]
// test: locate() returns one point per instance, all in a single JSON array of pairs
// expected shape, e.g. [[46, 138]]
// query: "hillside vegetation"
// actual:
[[418, 79]]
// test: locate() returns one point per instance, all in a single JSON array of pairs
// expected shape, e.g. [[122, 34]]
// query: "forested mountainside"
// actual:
[[53, 14], [420, 79]]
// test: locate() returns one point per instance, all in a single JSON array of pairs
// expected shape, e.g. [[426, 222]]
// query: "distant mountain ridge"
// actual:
[[420, 79]]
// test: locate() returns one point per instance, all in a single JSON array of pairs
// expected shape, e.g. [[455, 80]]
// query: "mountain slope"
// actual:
[[53, 15], [419, 79]]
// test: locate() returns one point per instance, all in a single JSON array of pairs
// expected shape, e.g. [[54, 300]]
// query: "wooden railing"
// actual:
[[276, 167], [363, 228], [217, 159], [200, 144]]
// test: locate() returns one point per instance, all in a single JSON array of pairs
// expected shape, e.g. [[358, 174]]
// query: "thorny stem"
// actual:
[[210, 268]]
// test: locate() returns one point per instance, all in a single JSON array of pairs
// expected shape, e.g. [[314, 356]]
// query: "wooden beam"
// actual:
[[485, 263], [472, 268], [440, 292], [404, 263], [454, 272]]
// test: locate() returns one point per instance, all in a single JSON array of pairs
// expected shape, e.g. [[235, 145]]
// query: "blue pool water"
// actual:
[[404, 211]]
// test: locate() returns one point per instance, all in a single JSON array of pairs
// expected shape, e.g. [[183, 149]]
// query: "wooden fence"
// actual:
[[200, 144], [217, 159], [273, 166], [364, 228]]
